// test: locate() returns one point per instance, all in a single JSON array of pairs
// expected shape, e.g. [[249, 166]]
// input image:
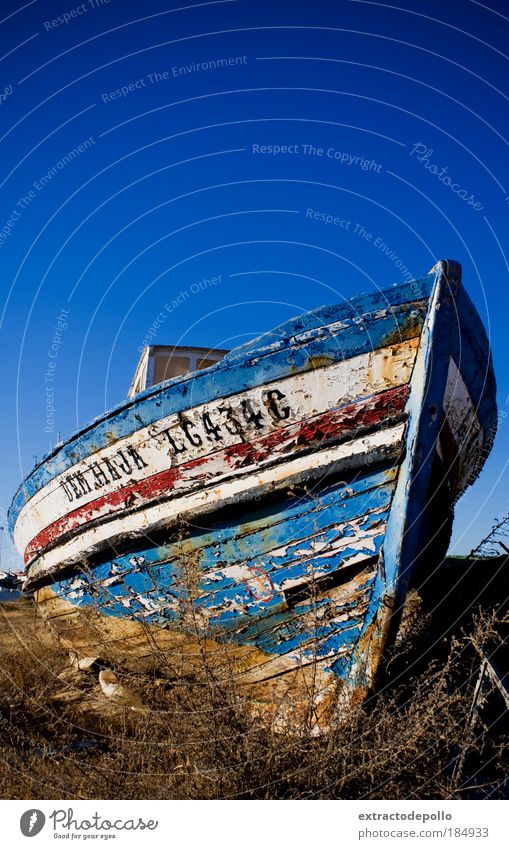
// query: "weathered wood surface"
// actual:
[[283, 698], [167, 457], [268, 511], [355, 454], [331, 334], [303, 413], [256, 581]]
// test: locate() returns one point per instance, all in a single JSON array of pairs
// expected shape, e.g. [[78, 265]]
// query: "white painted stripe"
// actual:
[[305, 394], [350, 455]]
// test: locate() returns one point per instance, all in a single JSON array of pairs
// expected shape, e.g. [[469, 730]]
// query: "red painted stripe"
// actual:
[[310, 433]]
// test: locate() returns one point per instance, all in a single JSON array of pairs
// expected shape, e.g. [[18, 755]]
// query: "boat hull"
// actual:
[[270, 511]]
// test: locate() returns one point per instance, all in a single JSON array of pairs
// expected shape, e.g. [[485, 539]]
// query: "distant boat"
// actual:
[[264, 515]]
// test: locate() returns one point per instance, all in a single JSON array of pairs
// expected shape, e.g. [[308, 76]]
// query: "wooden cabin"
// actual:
[[162, 362]]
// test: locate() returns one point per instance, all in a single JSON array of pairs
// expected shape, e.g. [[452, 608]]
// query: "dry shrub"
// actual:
[[200, 741]]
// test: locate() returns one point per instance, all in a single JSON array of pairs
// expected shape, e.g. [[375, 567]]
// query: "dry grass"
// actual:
[[200, 742]]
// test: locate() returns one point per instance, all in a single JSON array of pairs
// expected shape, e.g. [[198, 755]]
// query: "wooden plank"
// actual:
[[304, 414], [227, 463], [374, 448], [301, 538], [225, 539], [304, 548], [391, 324], [178, 656], [292, 633]]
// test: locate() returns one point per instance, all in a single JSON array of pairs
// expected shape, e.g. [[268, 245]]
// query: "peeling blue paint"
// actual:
[[308, 576], [231, 609]]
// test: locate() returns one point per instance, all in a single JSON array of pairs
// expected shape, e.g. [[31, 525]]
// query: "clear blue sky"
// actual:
[[164, 187]]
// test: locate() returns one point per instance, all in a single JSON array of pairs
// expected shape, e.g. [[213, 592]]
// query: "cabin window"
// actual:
[[205, 363], [167, 367]]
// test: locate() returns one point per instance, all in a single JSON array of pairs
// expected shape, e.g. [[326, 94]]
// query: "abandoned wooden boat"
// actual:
[[264, 515]]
